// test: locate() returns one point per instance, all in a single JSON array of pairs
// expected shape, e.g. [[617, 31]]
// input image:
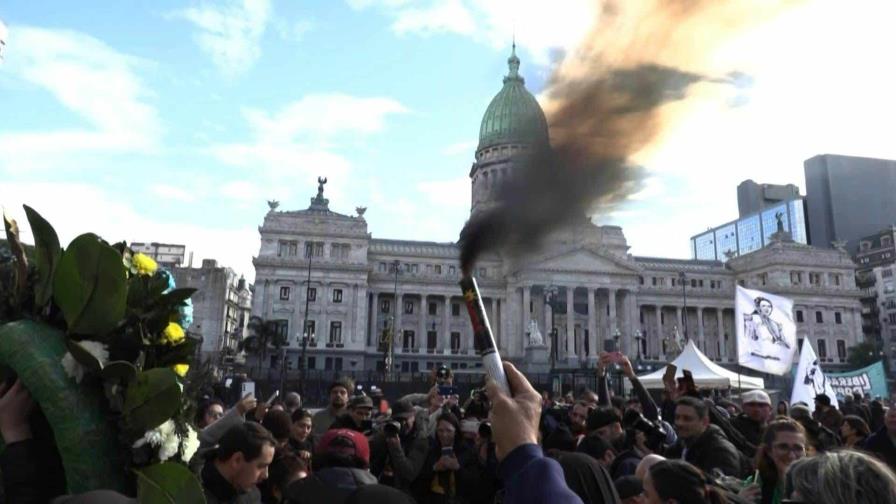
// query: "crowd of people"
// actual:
[[687, 447]]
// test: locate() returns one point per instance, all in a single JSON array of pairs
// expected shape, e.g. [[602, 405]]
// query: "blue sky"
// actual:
[[174, 121]]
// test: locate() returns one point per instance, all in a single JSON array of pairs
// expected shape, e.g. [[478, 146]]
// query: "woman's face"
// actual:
[[445, 433], [787, 448], [212, 414], [846, 430], [301, 429]]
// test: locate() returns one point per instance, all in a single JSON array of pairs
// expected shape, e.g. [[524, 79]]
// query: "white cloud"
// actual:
[[461, 148], [540, 27], [91, 79], [173, 193], [116, 219], [292, 31], [444, 193], [230, 33]]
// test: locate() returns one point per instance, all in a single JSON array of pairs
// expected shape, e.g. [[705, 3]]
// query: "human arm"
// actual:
[[407, 467], [603, 387], [210, 435], [651, 412]]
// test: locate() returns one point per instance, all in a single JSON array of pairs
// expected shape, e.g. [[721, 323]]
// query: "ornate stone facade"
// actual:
[[583, 289]]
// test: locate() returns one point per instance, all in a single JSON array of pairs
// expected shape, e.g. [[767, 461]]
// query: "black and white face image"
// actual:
[[765, 308]]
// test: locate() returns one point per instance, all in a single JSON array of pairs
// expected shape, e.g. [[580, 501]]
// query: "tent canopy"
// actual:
[[706, 373]]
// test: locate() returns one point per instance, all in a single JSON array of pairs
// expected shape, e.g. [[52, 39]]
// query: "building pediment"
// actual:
[[584, 260]]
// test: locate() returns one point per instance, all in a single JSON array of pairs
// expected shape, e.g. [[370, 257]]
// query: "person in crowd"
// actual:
[[211, 434], [883, 442], [676, 481], [240, 462], [378, 494], [578, 417], [441, 478], [783, 408], [862, 405], [357, 417], [757, 410], [480, 467], [854, 431], [841, 477], [529, 477], [323, 419], [208, 412], [826, 414], [436, 405], [300, 438], [630, 490], [279, 424], [783, 443], [339, 468], [398, 451], [588, 478], [605, 423], [284, 469], [700, 443], [597, 448], [820, 438], [380, 404], [645, 465], [292, 402], [877, 415]]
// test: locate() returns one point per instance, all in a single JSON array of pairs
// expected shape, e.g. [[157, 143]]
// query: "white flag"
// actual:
[[809, 380], [766, 333]]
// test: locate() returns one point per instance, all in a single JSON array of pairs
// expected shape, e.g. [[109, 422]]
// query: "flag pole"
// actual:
[[739, 388]]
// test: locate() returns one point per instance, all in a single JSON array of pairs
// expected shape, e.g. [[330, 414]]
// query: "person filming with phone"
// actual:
[[442, 477]]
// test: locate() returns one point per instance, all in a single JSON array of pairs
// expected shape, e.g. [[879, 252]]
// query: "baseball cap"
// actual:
[[360, 402], [756, 396], [345, 442], [402, 408]]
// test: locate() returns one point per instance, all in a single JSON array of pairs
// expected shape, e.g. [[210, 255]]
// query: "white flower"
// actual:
[[162, 437], [74, 369], [190, 444]]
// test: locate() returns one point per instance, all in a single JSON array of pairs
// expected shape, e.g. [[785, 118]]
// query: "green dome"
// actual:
[[514, 115]]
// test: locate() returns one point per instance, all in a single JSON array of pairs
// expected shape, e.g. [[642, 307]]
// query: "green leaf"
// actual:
[[90, 286], [152, 399], [177, 297], [168, 483], [18, 252], [83, 357], [123, 371], [48, 252]]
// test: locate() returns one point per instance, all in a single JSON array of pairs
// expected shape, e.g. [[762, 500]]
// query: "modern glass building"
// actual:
[[751, 232]]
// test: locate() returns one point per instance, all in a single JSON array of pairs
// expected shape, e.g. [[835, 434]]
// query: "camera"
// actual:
[[653, 431], [485, 429], [391, 429]]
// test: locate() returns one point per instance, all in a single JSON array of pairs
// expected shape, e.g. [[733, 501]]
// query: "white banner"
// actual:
[[809, 381], [766, 333]]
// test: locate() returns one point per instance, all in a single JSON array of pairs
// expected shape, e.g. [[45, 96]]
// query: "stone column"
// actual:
[[723, 346], [634, 324], [526, 303], [446, 325], [399, 311], [507, 336], [678, 321], [420, 343], [659, 333], [611, 300], [493, 321], [592, 327], [570, 323], [374, 330], [701, 338]]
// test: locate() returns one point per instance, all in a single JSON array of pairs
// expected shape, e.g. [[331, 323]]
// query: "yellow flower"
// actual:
[[173, 334], [145, 265], [181, 369]]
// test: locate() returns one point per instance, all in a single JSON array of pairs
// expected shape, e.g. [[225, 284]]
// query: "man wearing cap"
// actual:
[[398, 451], [339, 466], [826, 414], [360, 409], [323, 419], [757, 409]]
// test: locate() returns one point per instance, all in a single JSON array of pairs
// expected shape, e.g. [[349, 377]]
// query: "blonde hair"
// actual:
[[842, 477]]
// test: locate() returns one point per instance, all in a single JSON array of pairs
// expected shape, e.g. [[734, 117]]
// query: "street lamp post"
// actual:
[[390, 343], [616, 337], [305, 332], [550, 297]]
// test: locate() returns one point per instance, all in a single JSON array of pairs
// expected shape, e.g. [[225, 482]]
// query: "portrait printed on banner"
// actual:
[[762, 331]]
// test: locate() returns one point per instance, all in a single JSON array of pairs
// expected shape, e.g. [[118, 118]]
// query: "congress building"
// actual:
[[555, 309]]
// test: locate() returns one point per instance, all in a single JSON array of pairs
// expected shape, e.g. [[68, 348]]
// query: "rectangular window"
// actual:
[[409, 307], [337, 364], [433, 308], [452, 270], [819, 317], [284, 293], [892, 318], [653, 279], [799, 316], [455, 309], [822, 349], [328, 364], [337, 295], [405, 367], [838, 319], [310, 329], [383, 267], [336, 332], [430, 339], [693, 283], [455, 341], [312, 294], [312, 363], [407, 340], [386, 306], [841, 350], [837, 280], [314, 249], [283, 249], [483, 272], [281, 329], [438, 269], [886, 272]]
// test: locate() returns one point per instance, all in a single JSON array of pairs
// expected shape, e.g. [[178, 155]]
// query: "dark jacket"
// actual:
[[749, 428], [709, 451], [831, 418], [405, 463], [219, 491], [531, 478], [454, 484], [819, 436], [32, 472], [331, 485], [882, 446], [624, 464]]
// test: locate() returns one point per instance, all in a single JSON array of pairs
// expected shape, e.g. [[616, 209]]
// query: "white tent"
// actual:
[[706, 373]]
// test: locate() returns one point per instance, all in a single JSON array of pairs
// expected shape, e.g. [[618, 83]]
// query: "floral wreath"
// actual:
[[95, 332]]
